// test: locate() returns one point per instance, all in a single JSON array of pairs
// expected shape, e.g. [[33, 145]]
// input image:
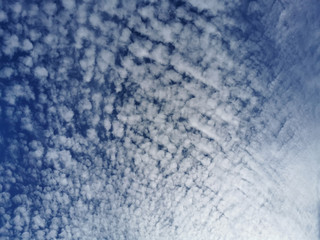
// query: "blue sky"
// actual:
[[159, 120]]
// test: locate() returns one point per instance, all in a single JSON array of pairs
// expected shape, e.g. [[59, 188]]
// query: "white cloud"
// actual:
[[66, 114], [16, 8], [18, 91], [3, 16], [159, 121], [27, 45], [69, 4], [38, 222], [11, 44], [117, 129], [28, 61], [40, 72], [107, 124], [6, 72], [92, 134], [95, 20], [50, 8], [85, 104], [34, 34]]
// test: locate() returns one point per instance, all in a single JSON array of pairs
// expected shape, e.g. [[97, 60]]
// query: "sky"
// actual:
[[160, 120]]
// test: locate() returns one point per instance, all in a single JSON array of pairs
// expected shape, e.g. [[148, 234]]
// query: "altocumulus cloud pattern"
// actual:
[[151, 120]]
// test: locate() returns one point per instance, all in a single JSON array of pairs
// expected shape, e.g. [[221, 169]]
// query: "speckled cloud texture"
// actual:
[[160, 120]]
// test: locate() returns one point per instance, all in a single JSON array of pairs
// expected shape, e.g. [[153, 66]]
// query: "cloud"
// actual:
[[159, 120], [41, 72], [69, 5], [3, 16]]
